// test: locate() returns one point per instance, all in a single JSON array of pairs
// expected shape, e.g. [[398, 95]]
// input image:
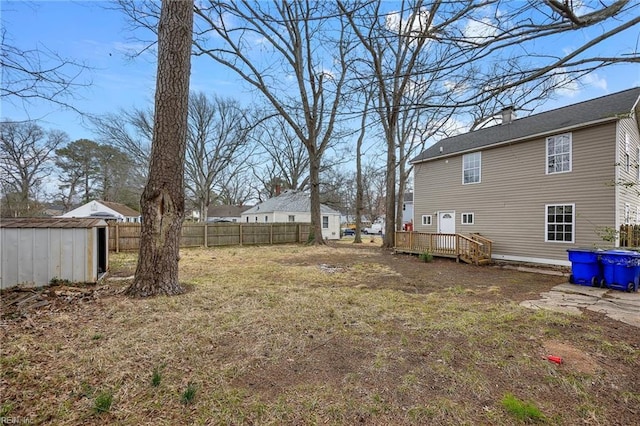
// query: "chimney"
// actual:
[[508, 114], [278, 189]]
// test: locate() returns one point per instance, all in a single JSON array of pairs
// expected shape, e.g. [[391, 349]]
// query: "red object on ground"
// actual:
[[556, 359]]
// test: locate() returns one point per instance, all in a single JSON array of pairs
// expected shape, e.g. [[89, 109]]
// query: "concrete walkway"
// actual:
[[572, 299]]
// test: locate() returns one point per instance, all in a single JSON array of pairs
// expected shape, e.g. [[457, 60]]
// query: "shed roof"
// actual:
[[602, 109], [46, 222], [289, 201]]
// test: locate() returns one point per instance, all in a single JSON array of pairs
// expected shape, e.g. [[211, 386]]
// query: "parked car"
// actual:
[[348, 231], [375, 228]]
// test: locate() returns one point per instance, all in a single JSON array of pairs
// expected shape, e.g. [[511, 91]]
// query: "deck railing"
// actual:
[[474, 249]]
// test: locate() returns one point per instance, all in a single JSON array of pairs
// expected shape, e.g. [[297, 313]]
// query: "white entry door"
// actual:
[[446, 225], [446, 222]]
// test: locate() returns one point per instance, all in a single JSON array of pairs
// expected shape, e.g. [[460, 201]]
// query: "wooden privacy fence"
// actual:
[[630, 236], [126, 236]]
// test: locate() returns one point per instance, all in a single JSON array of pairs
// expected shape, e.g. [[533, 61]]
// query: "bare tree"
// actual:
[[237, 191], [162, 201], [26, 154], [284, 161], [393, 50], [217, 146], [290, 37], [131, 131], [37, 74]]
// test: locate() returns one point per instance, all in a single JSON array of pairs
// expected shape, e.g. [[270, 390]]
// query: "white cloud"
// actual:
[[594, 80], [480, 31], [395, 23], [568, 87]]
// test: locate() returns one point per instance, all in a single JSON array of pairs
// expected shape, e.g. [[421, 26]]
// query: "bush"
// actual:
[[426, 256]]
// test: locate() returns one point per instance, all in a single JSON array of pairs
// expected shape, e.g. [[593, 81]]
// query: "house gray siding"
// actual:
[[627, 195], [509, 202]]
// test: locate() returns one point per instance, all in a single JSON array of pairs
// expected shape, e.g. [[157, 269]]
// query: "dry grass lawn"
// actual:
[[304, 335]]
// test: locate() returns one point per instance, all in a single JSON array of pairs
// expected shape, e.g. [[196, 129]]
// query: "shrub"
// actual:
[[426, 256]]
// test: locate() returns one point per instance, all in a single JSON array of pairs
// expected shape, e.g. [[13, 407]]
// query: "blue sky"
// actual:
[[88, 32]]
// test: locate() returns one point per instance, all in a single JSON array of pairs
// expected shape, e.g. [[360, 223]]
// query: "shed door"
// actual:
[[103, 250]]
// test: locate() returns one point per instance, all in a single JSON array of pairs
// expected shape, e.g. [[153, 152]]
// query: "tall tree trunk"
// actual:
[[390, 196], [162, 200], [316, 217]]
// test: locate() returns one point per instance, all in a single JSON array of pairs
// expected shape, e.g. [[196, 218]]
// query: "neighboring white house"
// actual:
[[293, 206], [407, 209], [105, 210]]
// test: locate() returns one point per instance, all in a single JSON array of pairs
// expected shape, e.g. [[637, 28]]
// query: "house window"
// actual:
[[627, 214], [560, 222], [559, 154], [247, 219], [292, 218], [471, 168], [466, 218], [266, 219], [256, 219], [638, 165], [627, 163], [325, 222], [426, 219]]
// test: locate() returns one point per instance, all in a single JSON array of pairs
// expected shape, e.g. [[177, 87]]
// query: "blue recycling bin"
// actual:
[[621, 269], [585, 267]]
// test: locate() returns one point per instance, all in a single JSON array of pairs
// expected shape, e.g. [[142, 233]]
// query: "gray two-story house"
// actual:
[[538, 185]]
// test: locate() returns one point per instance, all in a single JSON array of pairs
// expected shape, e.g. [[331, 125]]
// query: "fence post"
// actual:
[[240, 232], [271, 234], [117, 238], [206, 235]]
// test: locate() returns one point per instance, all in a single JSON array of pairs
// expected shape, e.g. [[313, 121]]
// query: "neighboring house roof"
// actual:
[[121, 208], [288, 201], [226, 211], [102, 209], [598, 110], [45, 222]]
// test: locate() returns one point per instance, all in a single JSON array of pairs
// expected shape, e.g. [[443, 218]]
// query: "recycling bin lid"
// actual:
[[621, 252]]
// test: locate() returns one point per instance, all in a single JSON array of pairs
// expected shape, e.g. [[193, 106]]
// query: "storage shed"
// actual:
[[36, 250]]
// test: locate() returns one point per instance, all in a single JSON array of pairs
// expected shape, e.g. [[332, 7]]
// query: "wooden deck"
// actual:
[[473, 249]]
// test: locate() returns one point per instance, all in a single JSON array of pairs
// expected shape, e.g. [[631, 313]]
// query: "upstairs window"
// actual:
[[559, 154], [471, 165], [427, 219], [292, 218]]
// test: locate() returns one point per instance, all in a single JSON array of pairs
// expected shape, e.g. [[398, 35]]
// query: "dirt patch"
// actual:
[[572, 357]]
